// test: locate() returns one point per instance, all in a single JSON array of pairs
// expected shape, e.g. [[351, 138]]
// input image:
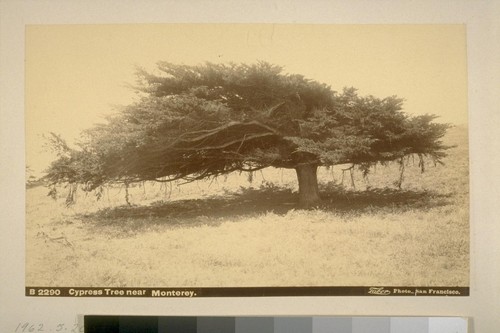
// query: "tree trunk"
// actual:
[[308, 185]]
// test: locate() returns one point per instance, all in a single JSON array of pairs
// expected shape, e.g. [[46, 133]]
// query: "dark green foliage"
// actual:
[[194, 122]]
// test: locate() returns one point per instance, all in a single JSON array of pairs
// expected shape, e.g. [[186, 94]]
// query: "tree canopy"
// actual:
[[193, 122]]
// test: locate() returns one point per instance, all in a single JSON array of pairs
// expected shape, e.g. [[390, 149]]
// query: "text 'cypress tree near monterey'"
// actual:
[[194, 122]]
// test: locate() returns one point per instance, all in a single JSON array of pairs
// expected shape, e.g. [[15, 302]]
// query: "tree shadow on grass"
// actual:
[[253, 202], [247, 203], [400, 201]]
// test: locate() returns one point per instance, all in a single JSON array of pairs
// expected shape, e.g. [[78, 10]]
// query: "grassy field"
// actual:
[[233, 232]]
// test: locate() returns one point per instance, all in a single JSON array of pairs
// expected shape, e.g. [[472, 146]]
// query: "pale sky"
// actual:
[[76, 73]]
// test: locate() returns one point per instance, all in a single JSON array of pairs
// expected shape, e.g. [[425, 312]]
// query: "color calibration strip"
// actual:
[[320, 324]]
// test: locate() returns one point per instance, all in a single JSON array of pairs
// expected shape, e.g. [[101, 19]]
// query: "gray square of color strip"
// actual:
[[254, 325], [216, 324], [447, 325], [409, 325], [293, 325], [371, 325], [332, 325], [138, 324], [177, 325]]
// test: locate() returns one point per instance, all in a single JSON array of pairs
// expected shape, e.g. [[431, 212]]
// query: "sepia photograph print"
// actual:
[[207, 160]]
